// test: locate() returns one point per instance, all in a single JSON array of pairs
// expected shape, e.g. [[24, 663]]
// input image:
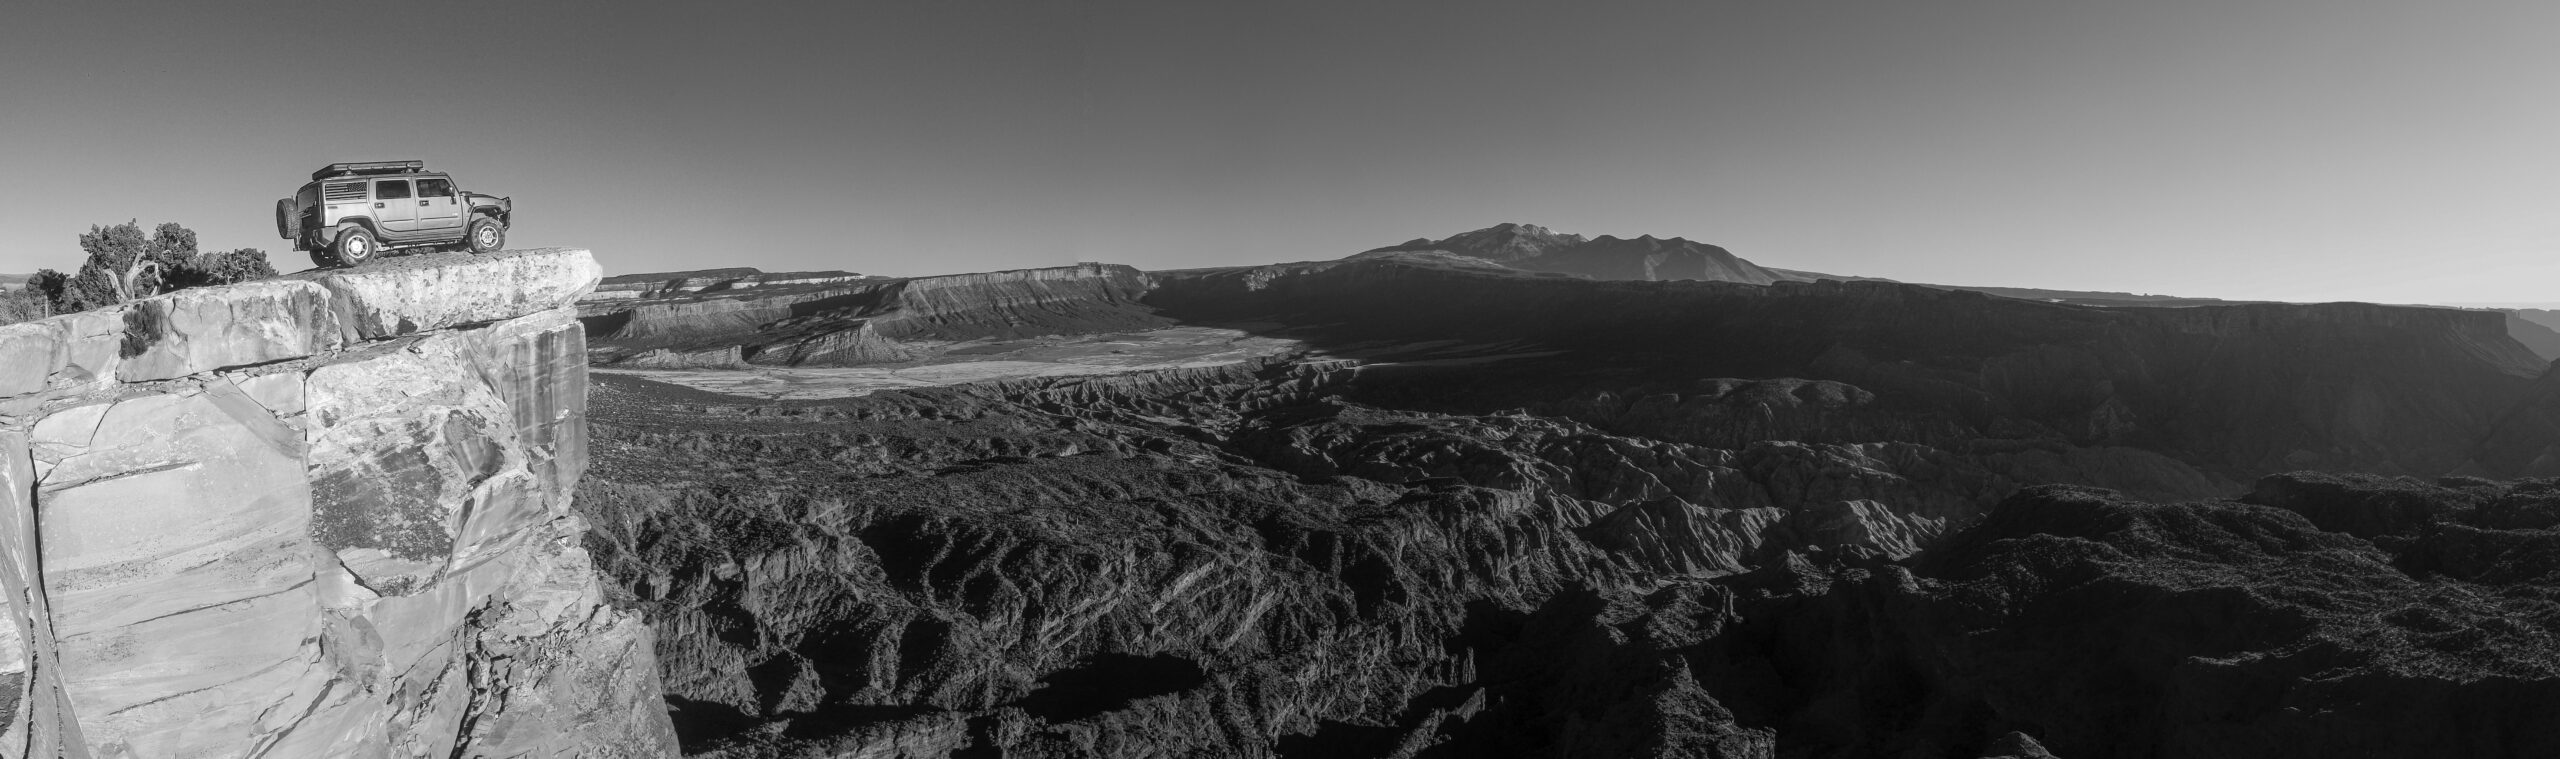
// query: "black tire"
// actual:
[[485, 236], [355, 246], [321, 257], [288, 223]]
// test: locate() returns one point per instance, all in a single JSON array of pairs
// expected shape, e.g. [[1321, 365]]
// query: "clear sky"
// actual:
[[2288, 149]]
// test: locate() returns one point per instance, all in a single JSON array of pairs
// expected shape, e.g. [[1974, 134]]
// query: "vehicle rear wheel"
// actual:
[[321, 257], [288, 223], [486, 236], [355, 246]]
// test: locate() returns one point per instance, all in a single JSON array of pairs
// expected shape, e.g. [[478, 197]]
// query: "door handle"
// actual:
[[422, 202], [377, 205]]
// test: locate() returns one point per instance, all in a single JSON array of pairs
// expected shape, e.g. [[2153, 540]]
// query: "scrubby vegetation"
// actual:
[[122, 263]]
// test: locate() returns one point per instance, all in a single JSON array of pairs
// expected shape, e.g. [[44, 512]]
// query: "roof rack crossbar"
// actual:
[[367, 167]]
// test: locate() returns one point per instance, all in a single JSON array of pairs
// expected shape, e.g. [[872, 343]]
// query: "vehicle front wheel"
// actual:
[[486, 236], [355, 246]]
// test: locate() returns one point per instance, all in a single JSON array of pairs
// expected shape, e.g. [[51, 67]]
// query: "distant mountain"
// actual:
[[1529, 247]]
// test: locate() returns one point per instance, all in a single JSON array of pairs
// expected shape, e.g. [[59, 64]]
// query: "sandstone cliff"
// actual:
[[625, 286], [319, 516]]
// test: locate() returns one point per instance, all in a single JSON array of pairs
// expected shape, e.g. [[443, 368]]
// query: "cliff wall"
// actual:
[[323, 515], [707, 280]]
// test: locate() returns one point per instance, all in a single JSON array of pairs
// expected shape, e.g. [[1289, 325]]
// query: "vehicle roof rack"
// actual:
[[367, 167]]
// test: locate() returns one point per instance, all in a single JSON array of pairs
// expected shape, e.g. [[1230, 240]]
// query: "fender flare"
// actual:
[[343, 226]]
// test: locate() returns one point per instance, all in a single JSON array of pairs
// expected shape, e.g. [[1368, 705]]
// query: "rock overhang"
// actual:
[[198, 331]]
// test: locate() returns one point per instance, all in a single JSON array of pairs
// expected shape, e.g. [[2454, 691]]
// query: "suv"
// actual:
[[352, 212]]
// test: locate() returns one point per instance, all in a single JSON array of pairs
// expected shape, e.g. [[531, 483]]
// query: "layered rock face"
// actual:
[[323, 515], [625, 286], [869, 321]]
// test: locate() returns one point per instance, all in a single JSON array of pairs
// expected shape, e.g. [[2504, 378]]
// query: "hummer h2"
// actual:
[[352, 212]]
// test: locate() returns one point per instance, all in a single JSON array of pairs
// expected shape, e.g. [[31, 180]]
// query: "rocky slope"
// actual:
[[325, 515], [2549, 318], [2526, 441], [2536, 332]]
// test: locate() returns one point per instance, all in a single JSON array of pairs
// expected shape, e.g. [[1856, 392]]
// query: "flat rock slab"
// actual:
[[412, 294]]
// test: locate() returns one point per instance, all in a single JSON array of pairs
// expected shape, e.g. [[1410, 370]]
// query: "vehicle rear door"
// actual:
[[438, 209], [394, 206]]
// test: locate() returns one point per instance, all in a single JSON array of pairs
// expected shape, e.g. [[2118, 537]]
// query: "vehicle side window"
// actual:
[[391, 189], [435, 188]]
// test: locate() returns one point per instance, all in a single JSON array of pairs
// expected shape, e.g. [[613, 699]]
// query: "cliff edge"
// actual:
[[321, 515]]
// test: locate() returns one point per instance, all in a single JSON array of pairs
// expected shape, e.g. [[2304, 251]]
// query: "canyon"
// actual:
[[1428, 504]]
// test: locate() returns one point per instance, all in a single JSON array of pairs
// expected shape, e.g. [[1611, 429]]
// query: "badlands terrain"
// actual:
[[1520, 493]]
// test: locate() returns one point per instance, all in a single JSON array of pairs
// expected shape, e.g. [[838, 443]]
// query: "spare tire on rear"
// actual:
[[288, 223]]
